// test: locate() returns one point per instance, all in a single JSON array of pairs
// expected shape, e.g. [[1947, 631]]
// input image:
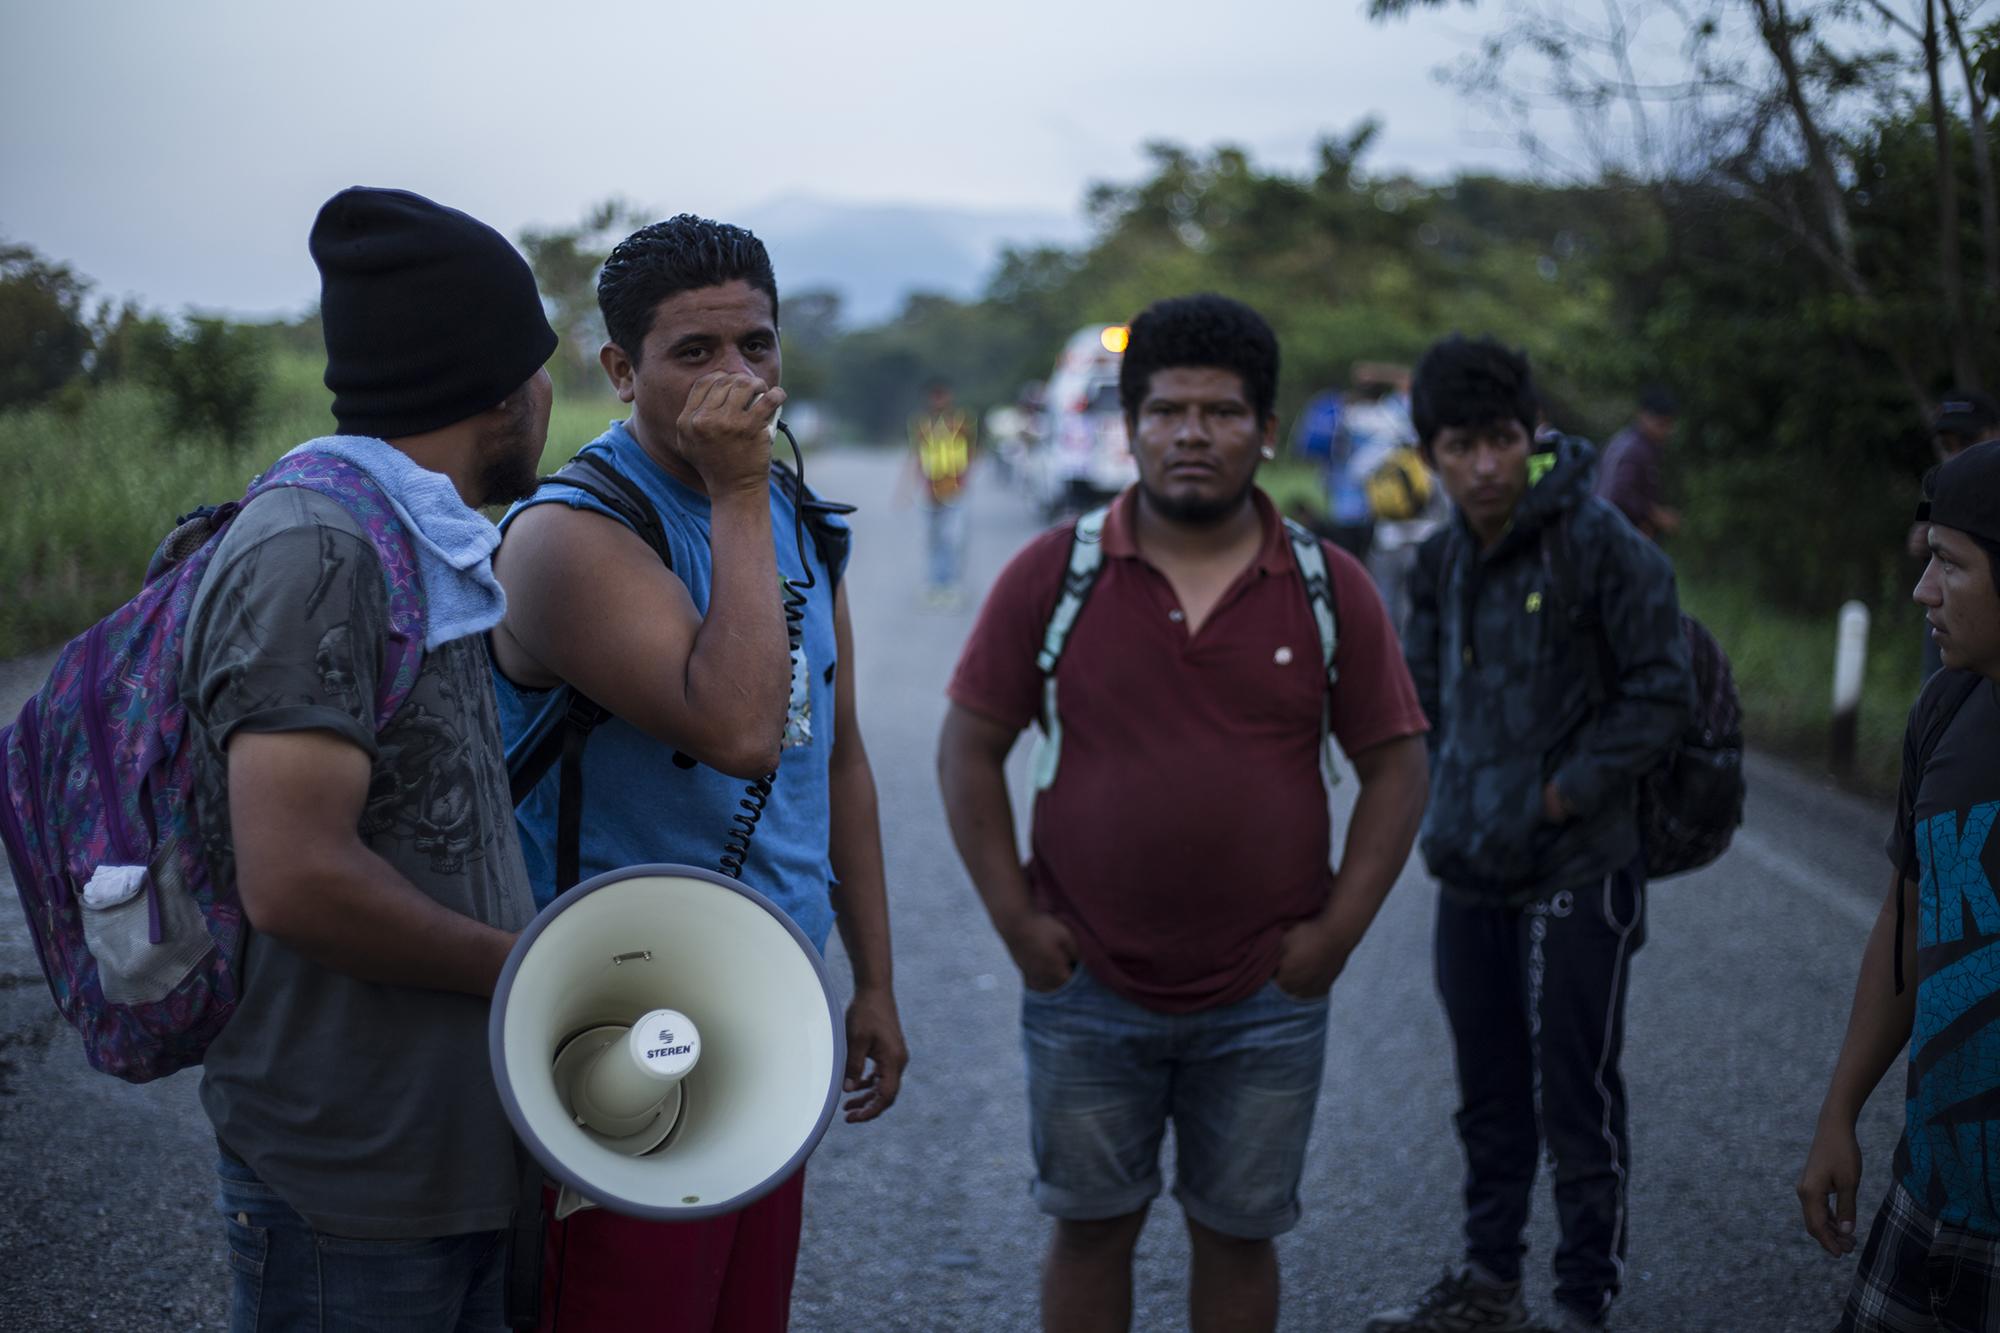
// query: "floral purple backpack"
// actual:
[[139, 942]]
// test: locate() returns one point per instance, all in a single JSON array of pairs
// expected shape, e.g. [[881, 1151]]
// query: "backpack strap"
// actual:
[[600, 479], [1086, 562], [395, 550], [567, 732], [832, 541], [1579, 607], [1310, 557], [1437, 557]]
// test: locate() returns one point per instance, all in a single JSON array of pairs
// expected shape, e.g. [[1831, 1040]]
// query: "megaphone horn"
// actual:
[[666, 1044]]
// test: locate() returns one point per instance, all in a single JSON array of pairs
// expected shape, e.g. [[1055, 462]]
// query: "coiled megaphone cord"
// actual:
[[757, 794]]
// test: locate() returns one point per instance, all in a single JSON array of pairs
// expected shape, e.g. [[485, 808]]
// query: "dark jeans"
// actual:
[[1536, 1000], [284, 1275]]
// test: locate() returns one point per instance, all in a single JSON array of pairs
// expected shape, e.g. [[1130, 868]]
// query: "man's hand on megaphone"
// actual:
[[724, 430], [874, 1033]]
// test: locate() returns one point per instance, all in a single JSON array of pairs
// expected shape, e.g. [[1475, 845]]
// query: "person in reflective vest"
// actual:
[[942, 439]]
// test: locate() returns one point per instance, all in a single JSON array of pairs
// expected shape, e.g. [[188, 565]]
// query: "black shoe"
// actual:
[[1466, 1301]]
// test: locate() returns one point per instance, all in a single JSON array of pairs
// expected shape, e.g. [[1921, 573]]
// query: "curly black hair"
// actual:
[[1465, 381], [682, 254], [1205, 332]]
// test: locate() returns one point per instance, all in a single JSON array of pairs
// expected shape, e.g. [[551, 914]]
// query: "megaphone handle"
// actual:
[[569, 1201]]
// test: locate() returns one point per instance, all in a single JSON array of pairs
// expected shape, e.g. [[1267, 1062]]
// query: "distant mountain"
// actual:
[[875, 255]]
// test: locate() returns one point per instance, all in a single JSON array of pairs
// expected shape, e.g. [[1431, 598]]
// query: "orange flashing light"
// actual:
[[1114, 339]]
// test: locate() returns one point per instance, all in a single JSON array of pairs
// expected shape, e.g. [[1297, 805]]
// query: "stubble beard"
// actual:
[[508, 460], [1199, 512]]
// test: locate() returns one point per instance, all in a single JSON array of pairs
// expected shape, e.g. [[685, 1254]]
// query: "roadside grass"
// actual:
[[94, 487], [1289, 482], [93, 491], [1783, 665]]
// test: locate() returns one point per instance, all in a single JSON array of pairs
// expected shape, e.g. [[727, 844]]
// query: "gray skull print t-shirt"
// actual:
[[369, 1108]]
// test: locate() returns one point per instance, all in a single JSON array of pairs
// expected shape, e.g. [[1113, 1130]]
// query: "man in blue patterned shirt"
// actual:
[[1932, 1261]]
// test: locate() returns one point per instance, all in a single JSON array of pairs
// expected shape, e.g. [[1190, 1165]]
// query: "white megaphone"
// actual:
[[666, 1043]]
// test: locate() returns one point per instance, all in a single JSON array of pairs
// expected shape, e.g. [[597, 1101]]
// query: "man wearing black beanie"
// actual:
[[351, 783], [1930, 974], [431, 319]]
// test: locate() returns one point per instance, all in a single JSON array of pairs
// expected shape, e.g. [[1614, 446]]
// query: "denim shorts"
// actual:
[[1239, 1082]]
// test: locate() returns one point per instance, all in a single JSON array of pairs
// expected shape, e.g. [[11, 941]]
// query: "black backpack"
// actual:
[[1692, 804]]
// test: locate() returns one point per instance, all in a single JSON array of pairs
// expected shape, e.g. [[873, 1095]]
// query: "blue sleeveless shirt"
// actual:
[[643, 801]]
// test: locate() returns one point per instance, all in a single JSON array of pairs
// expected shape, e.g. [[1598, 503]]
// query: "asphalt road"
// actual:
[[922, 1220]]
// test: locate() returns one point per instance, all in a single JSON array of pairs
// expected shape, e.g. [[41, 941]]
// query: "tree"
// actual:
[[212, 375], [1773, 101], [566, 261], [811, 329], [44, 336], [122, 336]]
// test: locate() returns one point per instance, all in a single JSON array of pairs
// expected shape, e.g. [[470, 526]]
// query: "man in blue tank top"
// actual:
[[709, 690]]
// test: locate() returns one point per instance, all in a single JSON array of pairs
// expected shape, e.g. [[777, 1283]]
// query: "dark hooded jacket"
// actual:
[[1517, 694]]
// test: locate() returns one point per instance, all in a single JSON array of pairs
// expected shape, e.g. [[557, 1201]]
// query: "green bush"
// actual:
[[1783, 663], [43, 336], [91, 496], [95, 484], [212, 376]]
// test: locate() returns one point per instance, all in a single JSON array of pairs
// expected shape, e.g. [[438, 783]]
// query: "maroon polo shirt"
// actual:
[[1187, 826]]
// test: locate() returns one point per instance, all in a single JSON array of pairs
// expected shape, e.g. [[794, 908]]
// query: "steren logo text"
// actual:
[[667, 1047]]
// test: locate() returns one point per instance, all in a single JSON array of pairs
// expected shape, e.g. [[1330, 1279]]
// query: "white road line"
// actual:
[[1836, 894]]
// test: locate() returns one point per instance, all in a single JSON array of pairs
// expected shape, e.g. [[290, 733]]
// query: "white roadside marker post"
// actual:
[[1849, 658]]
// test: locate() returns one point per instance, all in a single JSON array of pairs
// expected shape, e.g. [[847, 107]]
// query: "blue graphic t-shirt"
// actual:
[[646, 802], [1949, 1158]]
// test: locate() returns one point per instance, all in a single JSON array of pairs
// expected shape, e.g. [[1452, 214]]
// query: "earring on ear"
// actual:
[[1268, 452]]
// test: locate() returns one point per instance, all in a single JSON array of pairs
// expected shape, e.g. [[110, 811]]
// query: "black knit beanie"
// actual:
[[430, 316], [1963, 492]]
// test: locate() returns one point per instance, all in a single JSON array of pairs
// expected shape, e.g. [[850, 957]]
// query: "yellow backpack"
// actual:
[[1400, 486]]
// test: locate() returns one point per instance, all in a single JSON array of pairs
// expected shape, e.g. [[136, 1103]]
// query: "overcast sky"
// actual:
[[176, 150]]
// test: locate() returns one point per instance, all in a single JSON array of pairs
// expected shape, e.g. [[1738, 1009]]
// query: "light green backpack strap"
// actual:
[[1310, 557], [1086, 561]]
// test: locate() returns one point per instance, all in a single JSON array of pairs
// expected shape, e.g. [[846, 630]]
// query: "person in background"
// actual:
[[1930, 972], [942, 442], [1317, 434], [1173, 970], [1405, 501], [1532, 830], [1628, 475], [1964, 418]]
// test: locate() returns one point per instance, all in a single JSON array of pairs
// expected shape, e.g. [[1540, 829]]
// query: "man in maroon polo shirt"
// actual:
[[1178, 925]]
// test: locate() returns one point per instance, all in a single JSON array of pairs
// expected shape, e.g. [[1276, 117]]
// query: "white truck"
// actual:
[[1084, 456]]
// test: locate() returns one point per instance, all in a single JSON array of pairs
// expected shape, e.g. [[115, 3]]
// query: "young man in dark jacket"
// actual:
[[1546, 645]]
